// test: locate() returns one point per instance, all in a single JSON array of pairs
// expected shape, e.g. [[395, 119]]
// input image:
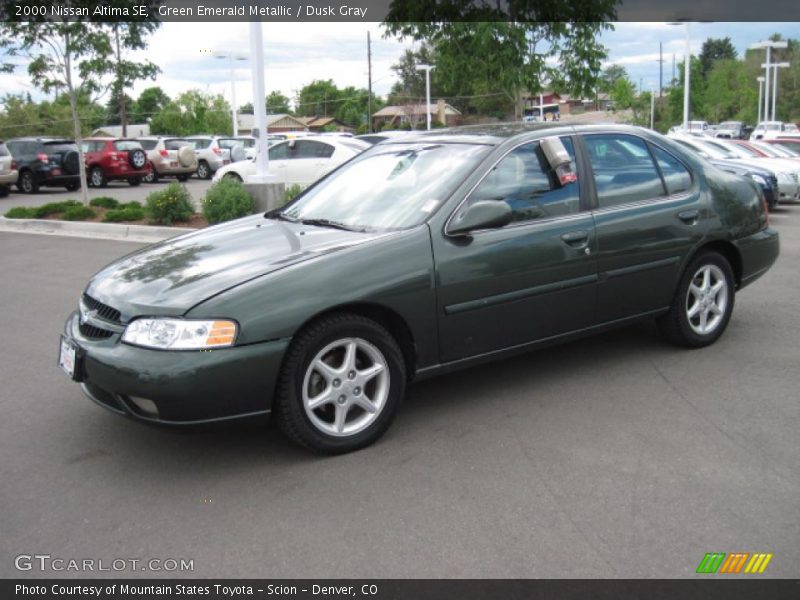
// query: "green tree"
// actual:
[[610, 76], [193, 112], [128, 37], [730, 93], [697, 88], [150, 102], [276, 103], [715, 49], [514, 53], [623, 93], [318, 99]]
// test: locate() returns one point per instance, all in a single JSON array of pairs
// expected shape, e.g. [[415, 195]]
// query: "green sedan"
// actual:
[[424, 254]]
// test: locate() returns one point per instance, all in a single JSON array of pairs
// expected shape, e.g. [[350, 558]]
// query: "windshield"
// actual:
[[123, 145], [388, 187], [770, 150], [723, 150]]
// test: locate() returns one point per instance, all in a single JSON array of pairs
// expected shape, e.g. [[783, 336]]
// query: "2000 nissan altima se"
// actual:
[[419, 256]]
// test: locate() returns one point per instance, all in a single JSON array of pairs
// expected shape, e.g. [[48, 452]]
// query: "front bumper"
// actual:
[[177, 387]]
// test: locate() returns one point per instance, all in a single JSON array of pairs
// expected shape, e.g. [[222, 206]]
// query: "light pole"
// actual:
[[760, 80], [687, 59], [231, 56], [776, 66], [259, 108], [427, 69], [769, 45], [652, 108]]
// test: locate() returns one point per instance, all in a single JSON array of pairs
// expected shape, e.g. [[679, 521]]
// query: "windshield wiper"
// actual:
[[327, 223]]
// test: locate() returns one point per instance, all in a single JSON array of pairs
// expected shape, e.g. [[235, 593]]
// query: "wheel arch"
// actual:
[[390, 319], [726, 249]]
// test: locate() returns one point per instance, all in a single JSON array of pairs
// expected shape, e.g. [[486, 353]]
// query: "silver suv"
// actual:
[[169, 156], [211, 155], [8, 170]]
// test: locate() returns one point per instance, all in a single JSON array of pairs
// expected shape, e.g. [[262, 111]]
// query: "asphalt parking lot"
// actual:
[[616, 456]]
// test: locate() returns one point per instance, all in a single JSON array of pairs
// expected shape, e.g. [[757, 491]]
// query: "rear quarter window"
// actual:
[[175, 144], [123, 145], [148, 144]]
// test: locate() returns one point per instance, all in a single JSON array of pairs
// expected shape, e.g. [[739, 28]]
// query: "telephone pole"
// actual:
[[369, 85], [660, 69]]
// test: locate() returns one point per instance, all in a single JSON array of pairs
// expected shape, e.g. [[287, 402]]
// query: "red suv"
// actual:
[[114, 158]]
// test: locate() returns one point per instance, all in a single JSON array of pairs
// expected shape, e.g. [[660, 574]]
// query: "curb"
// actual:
[[103, 231]]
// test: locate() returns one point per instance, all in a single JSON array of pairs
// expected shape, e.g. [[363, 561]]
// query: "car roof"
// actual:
[[31, 138]]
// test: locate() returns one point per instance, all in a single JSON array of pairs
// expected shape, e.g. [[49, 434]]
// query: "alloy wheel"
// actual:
[[345, 387], [707, 299]]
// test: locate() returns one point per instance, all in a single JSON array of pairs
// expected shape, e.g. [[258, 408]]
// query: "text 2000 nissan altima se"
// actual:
[[419, 256]]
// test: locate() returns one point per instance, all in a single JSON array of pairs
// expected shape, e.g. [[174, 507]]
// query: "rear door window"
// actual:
[[125, 145], [623, 169], [676, 176], [308, 149]]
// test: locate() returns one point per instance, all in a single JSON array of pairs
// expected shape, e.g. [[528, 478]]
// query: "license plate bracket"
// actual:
[[69, 358]]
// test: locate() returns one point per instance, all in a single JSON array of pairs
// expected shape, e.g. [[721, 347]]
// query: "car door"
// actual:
[[532, 279], [279, 161], [309, 159], [648, 216]]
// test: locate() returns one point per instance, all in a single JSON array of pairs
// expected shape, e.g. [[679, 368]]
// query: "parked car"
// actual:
[[792, 144], [380, 136], [767, 180], [732, 130], [785, 173], [8, 170], [109, 159], [420, 256], [45, 162], [299, 161], [169, 157], [247, 143], [770, 129], [211, 155]]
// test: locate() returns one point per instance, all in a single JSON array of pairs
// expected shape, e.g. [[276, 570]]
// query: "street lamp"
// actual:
[[427, 69], [776, 66], [769, 45], [259, 107], [760, 80], [231, 56]]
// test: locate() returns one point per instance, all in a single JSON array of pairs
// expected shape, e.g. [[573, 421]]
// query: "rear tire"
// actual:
[[4, 191], [134, 181], [71, 187], [152, 176], [703, 303], [27, 183], [183, 178], [341, 384]]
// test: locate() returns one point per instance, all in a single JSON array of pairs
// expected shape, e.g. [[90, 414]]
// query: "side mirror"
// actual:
[[486, 214]]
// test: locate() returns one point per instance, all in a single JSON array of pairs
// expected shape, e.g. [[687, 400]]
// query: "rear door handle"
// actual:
[[689, 216], [576, 239]]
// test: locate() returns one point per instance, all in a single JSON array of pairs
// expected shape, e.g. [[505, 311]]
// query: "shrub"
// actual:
[[21, 212], [52, 208], [78, 213], [124, 213], [227, 199], [104, 202], [292, 192], [132, 204], [173, 203]]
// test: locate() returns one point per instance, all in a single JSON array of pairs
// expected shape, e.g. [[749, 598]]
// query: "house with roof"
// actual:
[[134, 130], [320, 124], [415, 115], [277, 123]]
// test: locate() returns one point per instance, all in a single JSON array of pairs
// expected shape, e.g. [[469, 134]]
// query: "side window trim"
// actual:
[[650, 146]]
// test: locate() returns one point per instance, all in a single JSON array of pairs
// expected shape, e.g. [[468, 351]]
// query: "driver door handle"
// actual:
[[576, 239], [689, 216]]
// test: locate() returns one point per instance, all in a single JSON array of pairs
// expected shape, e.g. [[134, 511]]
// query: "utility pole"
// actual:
[[660, 69], [673, 70], [369, 84]]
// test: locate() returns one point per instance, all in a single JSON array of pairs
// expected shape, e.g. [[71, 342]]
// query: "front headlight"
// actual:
[[180, 334], [759, 180]]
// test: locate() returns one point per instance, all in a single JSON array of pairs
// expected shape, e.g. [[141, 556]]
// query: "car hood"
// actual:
[[171, 277]]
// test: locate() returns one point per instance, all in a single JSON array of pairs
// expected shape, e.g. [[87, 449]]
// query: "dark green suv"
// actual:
[[424, 254]]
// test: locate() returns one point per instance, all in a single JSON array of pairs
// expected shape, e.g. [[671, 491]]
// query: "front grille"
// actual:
[[92, 332], [103, 310]]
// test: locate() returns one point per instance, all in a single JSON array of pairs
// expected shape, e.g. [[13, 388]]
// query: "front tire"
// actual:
[[152, 175], [134, 181], [341, 384], [97, 178], [703, 304]]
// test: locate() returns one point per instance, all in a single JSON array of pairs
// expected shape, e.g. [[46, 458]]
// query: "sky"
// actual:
[[297, 53]]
